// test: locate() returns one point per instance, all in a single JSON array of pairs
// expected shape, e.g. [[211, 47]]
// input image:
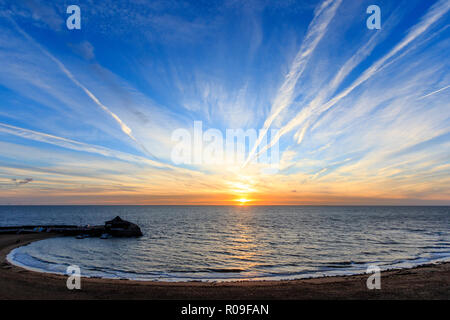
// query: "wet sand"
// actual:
[[424, 282]]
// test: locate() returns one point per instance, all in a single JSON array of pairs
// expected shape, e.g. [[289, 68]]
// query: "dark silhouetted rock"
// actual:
[[118, 227]]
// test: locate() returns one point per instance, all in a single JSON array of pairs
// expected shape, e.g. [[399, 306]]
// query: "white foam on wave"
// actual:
[[24, 260], [15, 257]]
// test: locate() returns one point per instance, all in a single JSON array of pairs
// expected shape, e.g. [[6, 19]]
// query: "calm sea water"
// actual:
[[214, 243]]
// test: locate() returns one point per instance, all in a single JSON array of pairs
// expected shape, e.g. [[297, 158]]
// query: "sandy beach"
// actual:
[[425, 282]]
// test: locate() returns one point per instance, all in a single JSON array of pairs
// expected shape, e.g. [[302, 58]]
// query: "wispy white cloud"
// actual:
[[434, 92], [316, 30], [124, 127], [75, 145], [314, 109]]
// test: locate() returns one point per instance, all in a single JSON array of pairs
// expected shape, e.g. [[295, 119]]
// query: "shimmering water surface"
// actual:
[[220, 243]]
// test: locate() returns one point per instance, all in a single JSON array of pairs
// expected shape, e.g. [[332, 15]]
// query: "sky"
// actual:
[[357, 116]]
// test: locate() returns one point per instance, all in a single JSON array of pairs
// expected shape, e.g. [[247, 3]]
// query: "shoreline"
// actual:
[[429, 281], [308, 276]]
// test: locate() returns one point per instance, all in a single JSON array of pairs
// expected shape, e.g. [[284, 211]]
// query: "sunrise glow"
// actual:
[[81, 123], [242, 201]]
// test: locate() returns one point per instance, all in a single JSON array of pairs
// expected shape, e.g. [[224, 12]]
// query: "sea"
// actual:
[[230, 243]]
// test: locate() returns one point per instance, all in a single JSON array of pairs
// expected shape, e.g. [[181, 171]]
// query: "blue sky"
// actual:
[[86, 116]]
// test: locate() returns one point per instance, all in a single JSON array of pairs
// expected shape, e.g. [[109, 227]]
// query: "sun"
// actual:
[[242, 201]]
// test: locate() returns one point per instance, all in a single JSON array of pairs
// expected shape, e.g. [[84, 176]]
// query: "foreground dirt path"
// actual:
[[427, 282]]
